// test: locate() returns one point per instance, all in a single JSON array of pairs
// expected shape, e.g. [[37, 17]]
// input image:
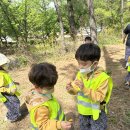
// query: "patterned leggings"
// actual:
[[87, 123], [13, 105]]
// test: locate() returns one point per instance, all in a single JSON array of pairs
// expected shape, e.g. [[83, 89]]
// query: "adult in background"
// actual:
[[126, 40]]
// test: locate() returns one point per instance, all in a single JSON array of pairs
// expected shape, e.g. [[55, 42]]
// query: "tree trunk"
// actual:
[[5, 10], [92, 22], [25, 23], [61, 25], [71, 19], [122, 21]]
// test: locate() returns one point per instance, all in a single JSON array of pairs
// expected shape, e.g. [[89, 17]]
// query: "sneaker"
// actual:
[[126, 67], [126, 83], [12, 121], [127, 87]]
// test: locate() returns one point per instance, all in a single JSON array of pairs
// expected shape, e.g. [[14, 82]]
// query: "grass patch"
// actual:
[[109, 37]]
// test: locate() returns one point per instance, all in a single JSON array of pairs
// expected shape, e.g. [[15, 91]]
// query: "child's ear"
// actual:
[[96, 63]]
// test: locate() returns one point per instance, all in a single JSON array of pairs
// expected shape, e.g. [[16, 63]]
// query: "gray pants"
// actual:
[[87, 123], [13, 106], [127, 53]]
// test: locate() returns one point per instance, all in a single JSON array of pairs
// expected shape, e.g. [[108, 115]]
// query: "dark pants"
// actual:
[[13, 106], [87, 123], [127, 53]]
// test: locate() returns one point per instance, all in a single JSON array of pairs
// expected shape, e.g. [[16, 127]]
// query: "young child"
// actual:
[[88, 39], [93, 88], [127, 79], [8, 91], [45, 111]]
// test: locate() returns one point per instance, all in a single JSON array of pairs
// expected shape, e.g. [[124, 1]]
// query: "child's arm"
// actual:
[[44, 123], [99, 94], [71, 89], [4, 89]]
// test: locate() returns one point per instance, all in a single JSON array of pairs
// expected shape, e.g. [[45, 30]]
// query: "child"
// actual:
[[127, 79], [45, 111], [93, 88], [8, 91], [88, 39]]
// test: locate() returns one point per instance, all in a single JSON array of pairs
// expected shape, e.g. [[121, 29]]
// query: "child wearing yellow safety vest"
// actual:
[[8, 91], [93, 88], [127, 79], [45, 111]]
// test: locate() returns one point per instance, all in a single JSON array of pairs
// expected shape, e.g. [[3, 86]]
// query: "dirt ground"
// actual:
[[119, 108]]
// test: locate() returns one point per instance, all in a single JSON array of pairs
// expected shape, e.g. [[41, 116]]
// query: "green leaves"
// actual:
[[23, 19]]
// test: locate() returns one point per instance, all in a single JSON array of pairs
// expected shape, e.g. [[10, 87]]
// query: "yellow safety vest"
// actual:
[[55, 110], [8, 83], [128, 69], [85, 105]]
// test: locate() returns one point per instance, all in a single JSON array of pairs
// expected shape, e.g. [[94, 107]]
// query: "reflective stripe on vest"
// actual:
[[82, 94], [17, 93], [58, 115], [85, 105], [10, 85], [90, 105]]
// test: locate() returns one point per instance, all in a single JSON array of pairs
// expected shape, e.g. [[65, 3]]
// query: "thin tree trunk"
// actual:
[[5, 10], [71, 19], [61, 24], [122, 21], [92, 22], [25, 23]]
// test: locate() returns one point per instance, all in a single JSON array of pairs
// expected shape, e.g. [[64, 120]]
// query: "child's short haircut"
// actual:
[[89, 52], [43, 75], [88, 38]]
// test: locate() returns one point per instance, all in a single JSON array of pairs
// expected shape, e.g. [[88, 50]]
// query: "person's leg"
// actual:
[[127, 54], [13, 106], [84, 122], [101, 123], [127, 81]]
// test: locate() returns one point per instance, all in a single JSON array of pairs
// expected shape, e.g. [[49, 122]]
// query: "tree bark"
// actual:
[[25, 23], [92, 22], [71, 19], [122, 21], [5, 10], [61, 24]]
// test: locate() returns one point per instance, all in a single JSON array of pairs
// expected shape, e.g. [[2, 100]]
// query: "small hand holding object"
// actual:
[[66, 125], [69, 86], [79, 83]]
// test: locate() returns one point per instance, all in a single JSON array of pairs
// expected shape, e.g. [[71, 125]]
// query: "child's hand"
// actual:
[[68, 86], [79, 83], [66, 125]]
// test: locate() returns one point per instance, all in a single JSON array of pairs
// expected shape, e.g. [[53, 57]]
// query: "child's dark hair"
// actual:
[[43, 75], [87, 52], [88, 38]]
